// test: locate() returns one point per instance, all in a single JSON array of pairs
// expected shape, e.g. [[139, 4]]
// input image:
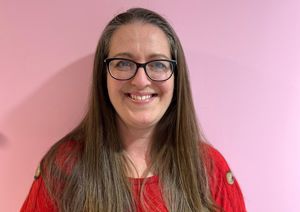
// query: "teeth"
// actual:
[[140, 98]]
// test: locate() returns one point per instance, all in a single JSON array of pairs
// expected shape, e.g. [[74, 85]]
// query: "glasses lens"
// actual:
[[159, 70], [122, 69]]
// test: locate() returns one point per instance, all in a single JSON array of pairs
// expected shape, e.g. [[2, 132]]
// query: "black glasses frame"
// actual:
[[138, 65]]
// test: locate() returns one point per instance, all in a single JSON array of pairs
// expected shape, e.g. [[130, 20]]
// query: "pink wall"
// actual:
[[244, 60]]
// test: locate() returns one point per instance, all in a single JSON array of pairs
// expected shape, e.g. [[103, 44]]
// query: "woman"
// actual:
[[139, 147]]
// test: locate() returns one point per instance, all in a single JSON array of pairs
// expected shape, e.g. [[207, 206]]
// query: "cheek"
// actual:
[[112, 89], [109, 88], [168, 88], [115, 88]]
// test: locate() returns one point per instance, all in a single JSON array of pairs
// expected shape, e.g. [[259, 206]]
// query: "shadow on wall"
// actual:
[[3, 140], [54, 108]]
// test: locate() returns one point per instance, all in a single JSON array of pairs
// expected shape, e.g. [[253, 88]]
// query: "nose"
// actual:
[[140, 80]]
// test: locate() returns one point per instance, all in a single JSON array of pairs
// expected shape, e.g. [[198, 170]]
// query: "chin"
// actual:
[[143, 124]]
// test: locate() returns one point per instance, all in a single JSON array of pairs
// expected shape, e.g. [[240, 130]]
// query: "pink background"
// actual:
[[244, 60]]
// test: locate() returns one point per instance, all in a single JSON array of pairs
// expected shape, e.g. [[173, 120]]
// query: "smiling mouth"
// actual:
[[141, 98]]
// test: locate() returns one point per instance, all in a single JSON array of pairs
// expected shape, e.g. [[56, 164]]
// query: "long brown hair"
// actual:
[[86, 170]]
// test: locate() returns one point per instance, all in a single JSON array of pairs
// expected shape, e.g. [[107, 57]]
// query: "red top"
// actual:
[[224, 189]]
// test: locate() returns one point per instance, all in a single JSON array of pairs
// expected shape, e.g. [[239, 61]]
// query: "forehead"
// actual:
[[139, 40]]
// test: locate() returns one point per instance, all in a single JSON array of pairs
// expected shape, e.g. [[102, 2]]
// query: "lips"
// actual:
[[141, 97]]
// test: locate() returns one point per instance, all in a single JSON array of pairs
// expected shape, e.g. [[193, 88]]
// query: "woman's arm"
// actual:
[[224, 186], [38, 199]]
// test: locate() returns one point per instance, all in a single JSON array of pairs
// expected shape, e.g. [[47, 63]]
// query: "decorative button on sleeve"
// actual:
[[230, 178], [37, 172]]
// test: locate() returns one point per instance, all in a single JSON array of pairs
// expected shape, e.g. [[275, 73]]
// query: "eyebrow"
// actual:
[[151, 56], [123, 54]]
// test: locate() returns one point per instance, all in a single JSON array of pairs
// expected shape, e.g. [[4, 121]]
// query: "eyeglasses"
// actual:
[[125, 69]]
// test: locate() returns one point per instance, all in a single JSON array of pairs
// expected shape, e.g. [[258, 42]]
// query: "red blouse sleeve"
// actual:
[[38, 199], [224, 186]]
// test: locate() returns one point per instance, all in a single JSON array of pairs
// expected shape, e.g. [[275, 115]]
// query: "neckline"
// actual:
[[147, 180]]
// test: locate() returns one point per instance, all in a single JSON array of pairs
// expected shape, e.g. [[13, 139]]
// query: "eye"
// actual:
[[159, 65], [123, 65]]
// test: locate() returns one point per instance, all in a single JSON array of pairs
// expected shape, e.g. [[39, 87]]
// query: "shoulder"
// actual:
[[38, 198], [215, 160], [56, 164], [63, 155], [224, 186]]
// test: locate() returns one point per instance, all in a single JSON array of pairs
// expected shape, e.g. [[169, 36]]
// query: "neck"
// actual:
[[137, 145]]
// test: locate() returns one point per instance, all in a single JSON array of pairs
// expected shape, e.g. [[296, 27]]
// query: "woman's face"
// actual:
[[140, 102]]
